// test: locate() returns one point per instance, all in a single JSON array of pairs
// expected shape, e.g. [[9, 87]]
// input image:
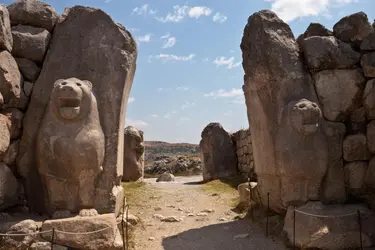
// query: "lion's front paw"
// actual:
[[88, 212], [60, 214]]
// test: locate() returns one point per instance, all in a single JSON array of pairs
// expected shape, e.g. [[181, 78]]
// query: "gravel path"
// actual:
[[204, 220]]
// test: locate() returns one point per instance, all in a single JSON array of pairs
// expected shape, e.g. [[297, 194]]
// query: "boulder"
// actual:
[[333, 188], [30, 42], [370, 176], [368, 44], [353, 29], [27, 88], [274, 71], [28, 68], [109, 63], [357, 121], [369, 99], [218, 153], [15, 116], [6, 39], [355, 148], [34, 13], [370, 134], [355, 177], [327, 52], [11, 154], [319, 226], [166, 177], [29, 227], [8, 187], [10, 78], [339, 92], [368, 64], [107, 237], [317, 29], [4, 134], [134, 150]]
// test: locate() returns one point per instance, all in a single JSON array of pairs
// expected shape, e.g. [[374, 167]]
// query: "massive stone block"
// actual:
[[274, 76], [70, 147], [134, 150], [218, 153], [104, 53], [6, 39], [8, 187]]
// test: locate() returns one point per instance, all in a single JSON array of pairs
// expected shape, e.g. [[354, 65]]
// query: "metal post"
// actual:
[[122, 223], [294, 228], [250, 203], [127, 230], [360, 228], [268, 209], [53, 238]]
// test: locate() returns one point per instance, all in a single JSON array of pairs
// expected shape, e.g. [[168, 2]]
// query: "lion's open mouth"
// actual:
[[69, 107]]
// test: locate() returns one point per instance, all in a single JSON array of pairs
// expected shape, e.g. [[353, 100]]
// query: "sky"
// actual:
[[189, 70]]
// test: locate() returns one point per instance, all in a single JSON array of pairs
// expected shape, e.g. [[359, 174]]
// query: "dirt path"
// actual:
[[207, 221]]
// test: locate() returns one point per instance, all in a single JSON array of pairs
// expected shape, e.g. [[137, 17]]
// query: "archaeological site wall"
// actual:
[[310, 104]]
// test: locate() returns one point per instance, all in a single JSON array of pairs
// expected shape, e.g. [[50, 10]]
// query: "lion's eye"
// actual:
[[78, 84], [302, 105], [64, 83], [314, 105]]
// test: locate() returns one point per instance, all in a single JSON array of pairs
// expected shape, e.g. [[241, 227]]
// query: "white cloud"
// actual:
[[187, 105], [155, 115], [169, 41], [288, 10], [181, 12], [171, 57], [136, 123], [219, 18], [223, 93], [144, 39], [131, 99], [229, 62], [143, 10], [181, 88]]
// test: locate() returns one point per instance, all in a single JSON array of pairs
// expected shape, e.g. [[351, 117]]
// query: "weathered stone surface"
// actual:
[[357, 121], [166, 177], [10, 78], [28, 68], [301, 174], [4, 134], [327, 52], [11, 154], [317, 29], [34, 13], [15, 117], [8, 187], [21, 242], [27, 88], [370, 176], [6, 39], [370, 134], [369, 43], [331, 230], [134, 150], [368, 64], [109, 63], [70, 163], [339, 91], [333, 188], [355, 148], [369, 99], [273, 71], [218, 153], [105, 239], [355, 177], [30, 42], [353, 29]]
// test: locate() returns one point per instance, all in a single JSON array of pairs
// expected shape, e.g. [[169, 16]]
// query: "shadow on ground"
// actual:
[[223, 236]]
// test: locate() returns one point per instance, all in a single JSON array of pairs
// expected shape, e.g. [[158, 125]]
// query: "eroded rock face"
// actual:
[[165, 177], [301, 174], [327, 52], [339, 91], [368, 64], [133, 154], [28, 68], [6, 39], [8, 187], [273, 71], [109, 63], [34, 13], [30, 42], [70, 163], [10, 78], [355, 173], [355, 148], [371, 137], [369, 99], [4, 134], [218, 153], [29, 227], [11, 153], [353, 29], [368, 43]]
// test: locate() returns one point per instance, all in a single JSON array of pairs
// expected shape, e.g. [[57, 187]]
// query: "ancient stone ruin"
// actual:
[[310, 108], [244, 151], [134, 152], [64, 88]]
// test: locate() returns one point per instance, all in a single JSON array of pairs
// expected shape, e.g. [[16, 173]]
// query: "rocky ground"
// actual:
[[177, 165], [186, 214]]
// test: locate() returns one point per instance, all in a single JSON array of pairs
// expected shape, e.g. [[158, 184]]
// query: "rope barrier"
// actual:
[[29, 234]]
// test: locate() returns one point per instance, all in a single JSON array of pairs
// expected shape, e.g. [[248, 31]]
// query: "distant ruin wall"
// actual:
[[244, 150]]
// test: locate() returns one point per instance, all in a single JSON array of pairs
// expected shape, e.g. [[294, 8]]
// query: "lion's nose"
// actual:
[[67, 88]]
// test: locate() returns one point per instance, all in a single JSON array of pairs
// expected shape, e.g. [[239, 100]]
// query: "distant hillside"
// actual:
[[154, 149]]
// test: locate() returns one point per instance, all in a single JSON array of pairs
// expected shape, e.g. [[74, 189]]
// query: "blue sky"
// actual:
[[189, 69]]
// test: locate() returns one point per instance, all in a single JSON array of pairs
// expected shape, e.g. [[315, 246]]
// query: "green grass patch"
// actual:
[[138, 194]]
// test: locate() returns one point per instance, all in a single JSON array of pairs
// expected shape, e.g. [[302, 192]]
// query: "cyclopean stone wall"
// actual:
[[37, 48]]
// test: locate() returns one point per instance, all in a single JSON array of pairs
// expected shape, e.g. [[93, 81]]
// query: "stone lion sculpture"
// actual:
[[301, 152], [70, 149], [134, 150]]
